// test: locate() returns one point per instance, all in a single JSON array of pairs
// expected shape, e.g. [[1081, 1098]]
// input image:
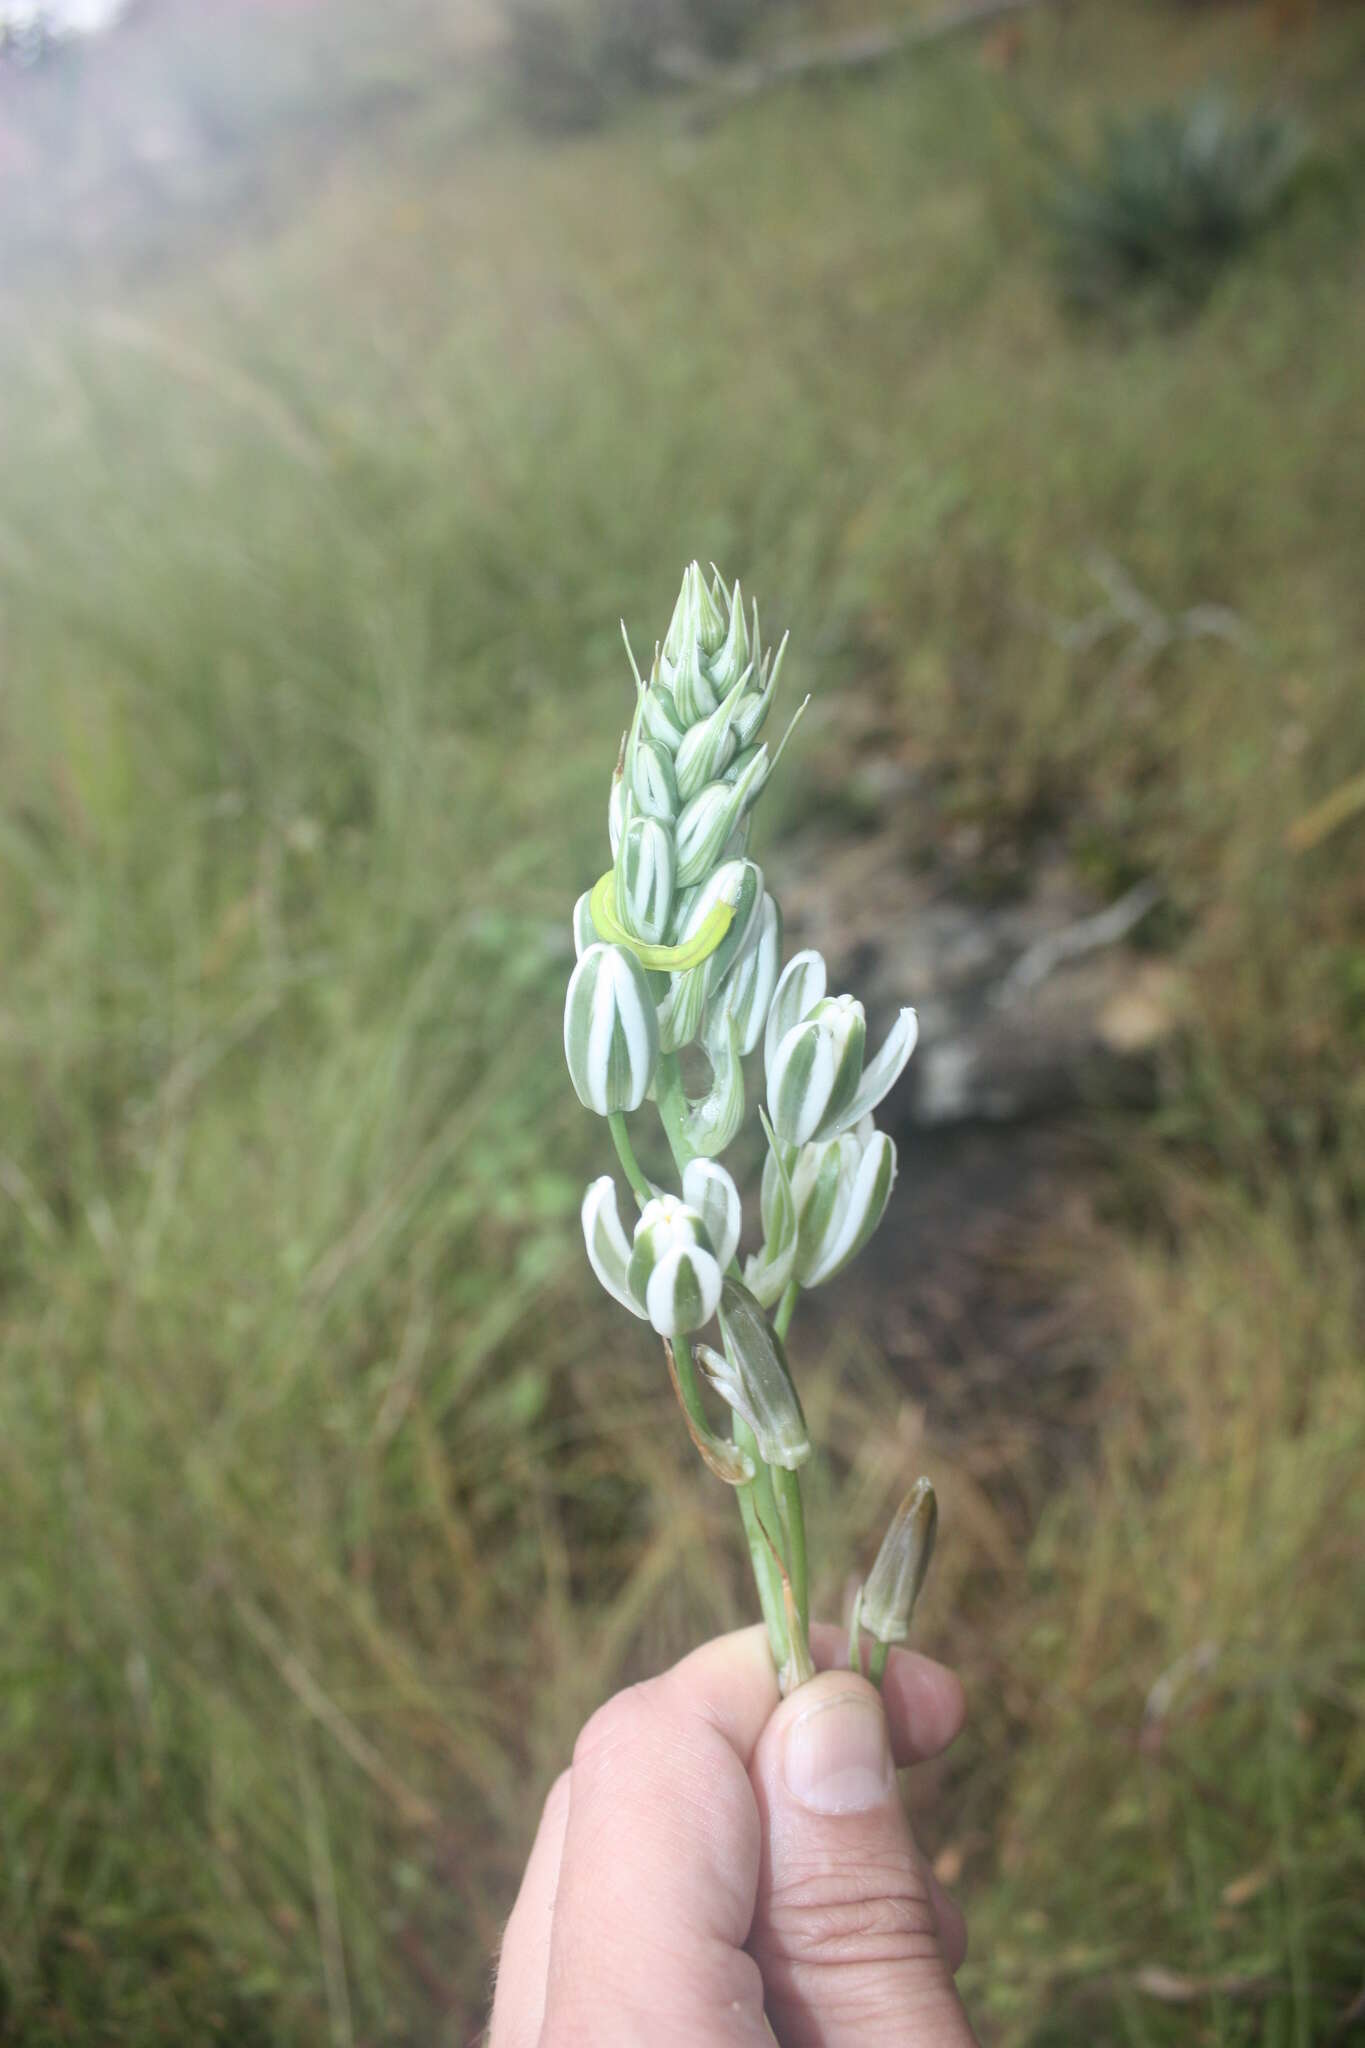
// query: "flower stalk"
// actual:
[[678, 947]]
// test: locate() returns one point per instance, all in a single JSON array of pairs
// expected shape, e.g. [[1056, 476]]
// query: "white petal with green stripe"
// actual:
[[611, 1033]]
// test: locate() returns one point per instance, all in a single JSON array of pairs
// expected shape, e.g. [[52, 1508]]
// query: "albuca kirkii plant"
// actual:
[[679, 979]]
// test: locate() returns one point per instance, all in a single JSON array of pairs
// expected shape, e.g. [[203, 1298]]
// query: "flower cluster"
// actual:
[[679, 951]]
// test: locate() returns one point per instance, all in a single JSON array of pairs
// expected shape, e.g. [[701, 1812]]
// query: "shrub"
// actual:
[[1175, 193]]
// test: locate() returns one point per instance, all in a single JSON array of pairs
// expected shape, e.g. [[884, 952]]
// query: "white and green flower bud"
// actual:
[[657, 716], [697, 620], [887, 1601], [644, 879], [802, 1077], [800, 987], [709, 623], [711, 1191], [707, 748], [843, 1021], [693, 694], [731, 661], [746, 992], [768, 1273], [738, 766], [673, 1269], [671, 1275], [712, 815], [585, 932], [754, 707], [611, 1032], [682, 1008], [739, 885], [754, 1379], [653, 782], [608, 1246], [840, 1189], [814, 1047]]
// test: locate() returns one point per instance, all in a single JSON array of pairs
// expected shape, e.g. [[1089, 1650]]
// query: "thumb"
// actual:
[[850, 1930]]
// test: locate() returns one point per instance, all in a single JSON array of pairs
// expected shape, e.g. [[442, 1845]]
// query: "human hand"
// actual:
[[714, 1855]]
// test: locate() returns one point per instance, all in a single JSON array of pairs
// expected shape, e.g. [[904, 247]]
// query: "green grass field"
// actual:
[[332, 1492]]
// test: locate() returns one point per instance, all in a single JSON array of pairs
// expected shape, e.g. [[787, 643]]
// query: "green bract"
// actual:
[[679, 979], [887, 1602], [753, 1377]]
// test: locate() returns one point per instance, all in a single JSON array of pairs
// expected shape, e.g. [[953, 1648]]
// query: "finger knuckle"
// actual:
[[853, 1914], [621, 1723]]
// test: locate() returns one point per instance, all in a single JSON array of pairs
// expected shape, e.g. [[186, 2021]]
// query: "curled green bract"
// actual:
[[665, 959]]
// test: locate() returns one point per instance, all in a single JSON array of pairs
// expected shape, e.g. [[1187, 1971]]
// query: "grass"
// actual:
[[330, 1498]]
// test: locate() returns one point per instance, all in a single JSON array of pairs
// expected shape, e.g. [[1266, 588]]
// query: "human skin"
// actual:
[[719, 1867]]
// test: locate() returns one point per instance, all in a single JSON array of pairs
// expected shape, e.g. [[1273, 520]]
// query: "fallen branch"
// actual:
[[1106, 928], [1151, 632], [861, 51]]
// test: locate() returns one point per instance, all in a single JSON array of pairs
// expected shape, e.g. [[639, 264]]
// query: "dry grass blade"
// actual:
[[410, 1805]]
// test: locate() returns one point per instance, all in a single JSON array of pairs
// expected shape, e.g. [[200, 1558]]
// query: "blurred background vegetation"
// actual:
[[361, 367]]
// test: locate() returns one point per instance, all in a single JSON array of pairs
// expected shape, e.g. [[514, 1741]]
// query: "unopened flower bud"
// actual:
[[693, 694], [815, 1068], [611, 1032], [707, 748], [731, 660], [708, 820], [739, 885], [893, 1585], [768, 1272], [800, 987], [653, 783], [746, 992], [753, 1377], [673, 1270], [644, 879], [658, 717], [814, 1045], [840, 1189], [753, 708], [697, 618]]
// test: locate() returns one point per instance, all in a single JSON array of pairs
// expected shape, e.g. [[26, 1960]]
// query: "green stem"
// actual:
[[794, 1519], [878, 1664], [688, 1388], [782, 1321], [668, 1093], [765, 1496], [766, 1574], [625, 1152], [765, 1524]]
